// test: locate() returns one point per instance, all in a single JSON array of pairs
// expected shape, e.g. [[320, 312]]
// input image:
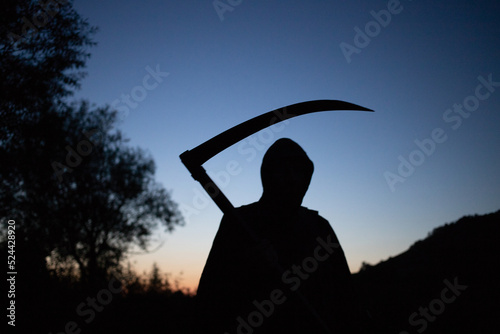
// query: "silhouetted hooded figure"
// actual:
[[252, 279]]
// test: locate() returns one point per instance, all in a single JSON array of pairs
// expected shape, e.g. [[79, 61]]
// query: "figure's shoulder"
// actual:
[[230, 224], [251, 206], [313, 216], [248, 209], [248, 212]]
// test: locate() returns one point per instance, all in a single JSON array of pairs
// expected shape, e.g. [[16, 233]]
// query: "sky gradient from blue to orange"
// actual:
[[268, 54]]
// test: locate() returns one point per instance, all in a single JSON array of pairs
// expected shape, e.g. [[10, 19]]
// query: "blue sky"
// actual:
[[412, 69]]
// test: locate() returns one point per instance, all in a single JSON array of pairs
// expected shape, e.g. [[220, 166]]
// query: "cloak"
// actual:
[[251, 284]]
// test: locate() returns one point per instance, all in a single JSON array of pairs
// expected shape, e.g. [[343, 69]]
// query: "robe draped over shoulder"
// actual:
[[241, 273]]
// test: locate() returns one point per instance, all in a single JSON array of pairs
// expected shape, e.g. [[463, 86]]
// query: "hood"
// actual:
[[286, 172]]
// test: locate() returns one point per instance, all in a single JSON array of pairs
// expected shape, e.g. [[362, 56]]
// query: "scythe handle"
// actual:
[[200, 174]]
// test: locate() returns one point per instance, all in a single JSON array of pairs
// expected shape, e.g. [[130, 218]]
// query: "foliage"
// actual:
[[80, 196], [43, 48]]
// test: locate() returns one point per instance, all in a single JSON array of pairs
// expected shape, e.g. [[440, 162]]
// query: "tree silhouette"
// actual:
[[157, 282], [79, 194], [113, 192], [43, 47], [84, 195]]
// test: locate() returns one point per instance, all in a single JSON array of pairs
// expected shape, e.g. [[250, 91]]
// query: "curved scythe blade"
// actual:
[[200, 154]]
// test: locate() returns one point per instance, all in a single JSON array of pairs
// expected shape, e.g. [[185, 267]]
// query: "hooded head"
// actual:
[[286, 172]]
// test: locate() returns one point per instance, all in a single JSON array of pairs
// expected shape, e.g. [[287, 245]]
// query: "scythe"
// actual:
[[195, 158]]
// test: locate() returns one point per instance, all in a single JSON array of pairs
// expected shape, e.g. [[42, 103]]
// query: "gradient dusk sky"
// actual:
[[430, 70]]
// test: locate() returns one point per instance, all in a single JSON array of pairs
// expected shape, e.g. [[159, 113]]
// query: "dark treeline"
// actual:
[[127, 303]]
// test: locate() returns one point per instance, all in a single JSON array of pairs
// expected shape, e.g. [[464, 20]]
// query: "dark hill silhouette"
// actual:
[[465, 253]]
